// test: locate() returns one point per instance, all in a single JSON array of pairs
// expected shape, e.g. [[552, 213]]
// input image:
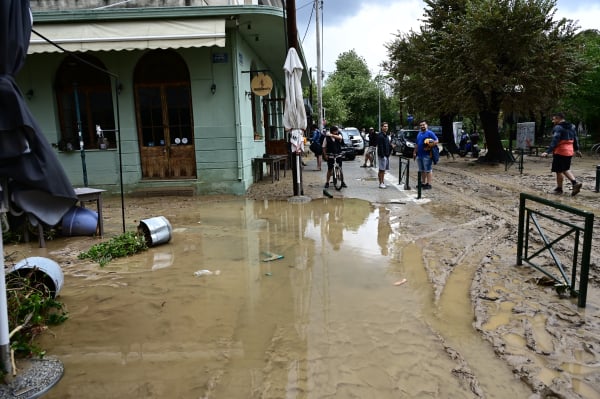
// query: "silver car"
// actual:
[[357, 140]]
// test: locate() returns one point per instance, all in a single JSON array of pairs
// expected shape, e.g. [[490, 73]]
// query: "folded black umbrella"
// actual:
[[37, 181]]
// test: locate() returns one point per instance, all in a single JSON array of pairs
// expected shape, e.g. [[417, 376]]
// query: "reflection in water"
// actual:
[[323, 321], [384, 230]]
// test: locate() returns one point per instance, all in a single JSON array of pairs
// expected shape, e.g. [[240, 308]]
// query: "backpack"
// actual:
[[435, 154]]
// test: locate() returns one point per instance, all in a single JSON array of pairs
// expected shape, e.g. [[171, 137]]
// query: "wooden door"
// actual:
[[165, 131]]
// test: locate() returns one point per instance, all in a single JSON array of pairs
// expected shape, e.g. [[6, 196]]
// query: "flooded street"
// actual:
[[324, 321]]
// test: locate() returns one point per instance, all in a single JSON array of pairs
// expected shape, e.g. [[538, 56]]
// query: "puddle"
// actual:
[[323, 320]]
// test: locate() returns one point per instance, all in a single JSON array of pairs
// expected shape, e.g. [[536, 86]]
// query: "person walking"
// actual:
[[332, 146], [564, 144], [426, 139], [370, 152], [316, 145], [384, 149]]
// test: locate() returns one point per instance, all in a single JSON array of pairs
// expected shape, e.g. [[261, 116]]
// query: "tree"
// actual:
[[484, 57], [350, 95], [582, 99]]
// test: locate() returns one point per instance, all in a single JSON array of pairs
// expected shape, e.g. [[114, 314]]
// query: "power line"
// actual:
[[309, 19]]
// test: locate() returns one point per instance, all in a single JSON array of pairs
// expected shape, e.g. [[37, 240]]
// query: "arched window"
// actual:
[[84, 99]]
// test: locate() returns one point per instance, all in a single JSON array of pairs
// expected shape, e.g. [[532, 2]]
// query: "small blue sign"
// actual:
[[220, 58]]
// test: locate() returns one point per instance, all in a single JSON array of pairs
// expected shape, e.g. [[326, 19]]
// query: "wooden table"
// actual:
[[87, 194], [273, 163]]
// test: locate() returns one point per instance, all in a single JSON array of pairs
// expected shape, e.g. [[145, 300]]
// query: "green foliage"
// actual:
[[31, 308], [582, 103], [483, 57], [350, 95], [126, 244]]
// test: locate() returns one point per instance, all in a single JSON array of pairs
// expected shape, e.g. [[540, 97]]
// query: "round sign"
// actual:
[[184, 140], [261, 84], [177, 141]]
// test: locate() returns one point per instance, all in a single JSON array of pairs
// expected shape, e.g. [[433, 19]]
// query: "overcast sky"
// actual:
[[366, 25]]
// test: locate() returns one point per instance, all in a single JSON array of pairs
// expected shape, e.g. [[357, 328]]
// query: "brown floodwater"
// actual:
[[325, 320]]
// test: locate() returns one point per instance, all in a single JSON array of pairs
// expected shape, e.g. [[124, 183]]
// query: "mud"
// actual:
[[460, 241], [470, 229]]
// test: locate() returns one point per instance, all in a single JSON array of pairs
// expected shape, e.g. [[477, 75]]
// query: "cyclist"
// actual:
[[332, 147]]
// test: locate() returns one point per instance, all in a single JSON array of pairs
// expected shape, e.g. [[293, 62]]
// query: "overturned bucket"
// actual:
[[40, 270], [156, 230]]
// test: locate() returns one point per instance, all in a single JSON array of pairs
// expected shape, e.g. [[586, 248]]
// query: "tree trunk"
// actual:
[[495, 150], [447, 133]]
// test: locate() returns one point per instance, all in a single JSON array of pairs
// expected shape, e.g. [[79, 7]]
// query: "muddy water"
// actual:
[[325, 320]]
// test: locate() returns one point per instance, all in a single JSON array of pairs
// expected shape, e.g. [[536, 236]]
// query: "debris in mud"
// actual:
[[205, 272], [400, 282], [271, 256]]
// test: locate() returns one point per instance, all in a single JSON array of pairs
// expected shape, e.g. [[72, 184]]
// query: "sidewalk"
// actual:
[[362, 183]]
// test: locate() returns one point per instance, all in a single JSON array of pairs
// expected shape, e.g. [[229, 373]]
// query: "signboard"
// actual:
[[457, 128], [525, 135], [261, 84], [220, 58]]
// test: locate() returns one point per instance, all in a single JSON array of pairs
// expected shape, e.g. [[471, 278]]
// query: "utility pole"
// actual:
[[292, 30], [318, 9]]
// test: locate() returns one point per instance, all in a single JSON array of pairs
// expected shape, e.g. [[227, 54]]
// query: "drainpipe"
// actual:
[[236, 104]]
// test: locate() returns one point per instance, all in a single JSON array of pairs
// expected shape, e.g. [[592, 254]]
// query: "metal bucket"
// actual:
[[156, 230], [42, 270]]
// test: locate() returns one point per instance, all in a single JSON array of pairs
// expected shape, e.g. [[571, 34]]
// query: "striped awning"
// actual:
[[128, 35]]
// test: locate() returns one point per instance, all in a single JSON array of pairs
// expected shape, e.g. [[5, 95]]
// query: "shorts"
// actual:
[[384, 163], [560, 163], [425, 164], [330, 161]]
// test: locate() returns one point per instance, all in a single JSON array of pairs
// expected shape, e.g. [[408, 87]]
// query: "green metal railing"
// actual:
[[574, 229]]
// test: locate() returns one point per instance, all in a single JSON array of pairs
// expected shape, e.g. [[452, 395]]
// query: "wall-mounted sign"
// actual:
[[220, 58], [261, 84]]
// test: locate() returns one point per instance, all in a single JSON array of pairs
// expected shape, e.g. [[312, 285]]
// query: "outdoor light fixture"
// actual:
[[213, 88], [248, 95]]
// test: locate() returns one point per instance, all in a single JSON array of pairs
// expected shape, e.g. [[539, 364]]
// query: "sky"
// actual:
[[366, 25]]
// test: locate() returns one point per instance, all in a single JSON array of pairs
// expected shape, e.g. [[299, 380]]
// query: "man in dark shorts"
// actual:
[[332, 146], [564, 144]]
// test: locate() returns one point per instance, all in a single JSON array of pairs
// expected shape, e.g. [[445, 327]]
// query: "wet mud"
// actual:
[[326, 318]]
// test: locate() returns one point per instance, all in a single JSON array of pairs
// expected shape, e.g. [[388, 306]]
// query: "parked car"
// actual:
[[348, 150], [406, 142], [357, 140]]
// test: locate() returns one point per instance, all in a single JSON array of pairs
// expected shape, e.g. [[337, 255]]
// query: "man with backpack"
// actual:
[[563, 146], [316, 144]]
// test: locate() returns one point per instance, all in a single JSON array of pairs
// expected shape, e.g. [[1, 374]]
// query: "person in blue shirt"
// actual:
[[426, 139], [317, 145]]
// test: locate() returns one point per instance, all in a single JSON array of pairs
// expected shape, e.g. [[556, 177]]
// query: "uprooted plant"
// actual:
[[126, 244], [31, 309]]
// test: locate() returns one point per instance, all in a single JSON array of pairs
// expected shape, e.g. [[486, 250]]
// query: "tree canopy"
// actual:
[[351, 96], [483, 57]]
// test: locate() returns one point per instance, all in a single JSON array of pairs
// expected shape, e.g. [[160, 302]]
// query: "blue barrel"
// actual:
[[79, 221]]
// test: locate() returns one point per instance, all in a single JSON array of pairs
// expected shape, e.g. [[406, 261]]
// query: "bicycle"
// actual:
[[338, 175]]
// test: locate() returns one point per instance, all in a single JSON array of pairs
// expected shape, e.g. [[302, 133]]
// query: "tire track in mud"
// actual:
[[569, 331]]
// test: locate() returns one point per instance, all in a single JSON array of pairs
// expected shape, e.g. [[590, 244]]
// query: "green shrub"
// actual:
[[126, 244]]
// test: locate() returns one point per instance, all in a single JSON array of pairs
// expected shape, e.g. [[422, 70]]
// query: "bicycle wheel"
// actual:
[[338, 178]]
